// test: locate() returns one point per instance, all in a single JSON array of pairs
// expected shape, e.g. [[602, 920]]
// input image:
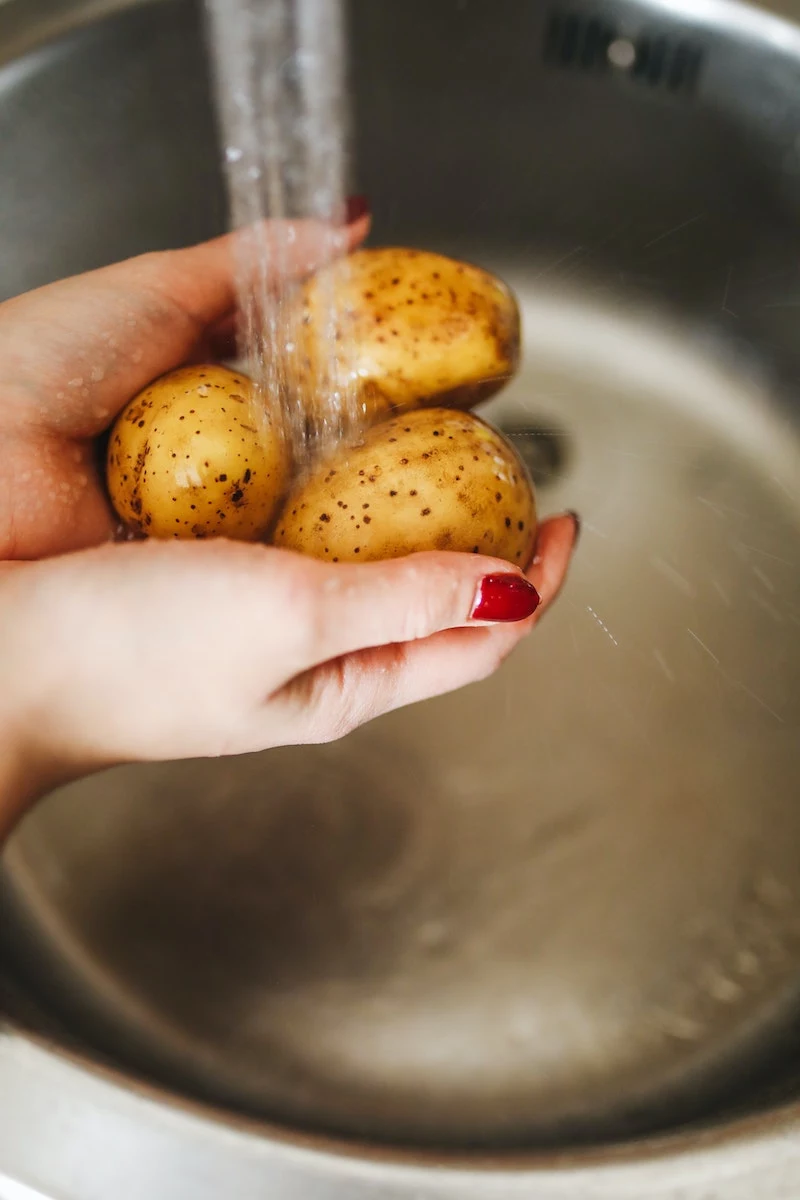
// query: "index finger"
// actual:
[[75, 351]]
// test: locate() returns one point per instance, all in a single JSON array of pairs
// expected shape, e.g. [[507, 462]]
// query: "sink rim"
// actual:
[[104, 1089]]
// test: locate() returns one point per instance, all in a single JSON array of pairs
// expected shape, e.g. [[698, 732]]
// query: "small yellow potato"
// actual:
[[432, 479], [409, 329], [192, 456]]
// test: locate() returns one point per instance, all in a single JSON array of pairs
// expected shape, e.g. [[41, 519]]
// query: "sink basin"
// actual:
[[559, 909]]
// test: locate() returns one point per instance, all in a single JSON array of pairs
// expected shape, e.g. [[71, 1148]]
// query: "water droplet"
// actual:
[[771, 892], [433, 935], [233, 154], [677, 1026], [723, 989], [747, 963], [521, 1027]]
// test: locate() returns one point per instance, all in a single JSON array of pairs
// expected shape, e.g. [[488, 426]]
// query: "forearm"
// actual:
[[19, 780]]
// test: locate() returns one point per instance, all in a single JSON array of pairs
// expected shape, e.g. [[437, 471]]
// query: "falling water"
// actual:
[[282, 106]]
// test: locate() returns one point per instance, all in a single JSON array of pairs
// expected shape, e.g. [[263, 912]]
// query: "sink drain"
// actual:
[[543, 450]]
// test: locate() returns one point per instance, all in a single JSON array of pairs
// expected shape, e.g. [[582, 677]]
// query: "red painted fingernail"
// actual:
[[576, 521], [505, 598], [357, 207]]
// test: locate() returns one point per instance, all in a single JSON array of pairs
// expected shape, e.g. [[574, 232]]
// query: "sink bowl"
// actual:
[[548, 928]]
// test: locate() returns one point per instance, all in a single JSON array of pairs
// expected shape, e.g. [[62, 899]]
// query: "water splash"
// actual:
[[280, 75]]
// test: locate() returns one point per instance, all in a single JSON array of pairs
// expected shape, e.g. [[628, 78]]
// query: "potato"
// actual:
[[191, 457], [414, 329], [433, 479]]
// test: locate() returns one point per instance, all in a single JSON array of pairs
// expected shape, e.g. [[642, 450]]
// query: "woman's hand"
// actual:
[[160, 650]]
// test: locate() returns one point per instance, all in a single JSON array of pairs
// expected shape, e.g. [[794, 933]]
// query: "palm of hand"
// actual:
[[72, 355]]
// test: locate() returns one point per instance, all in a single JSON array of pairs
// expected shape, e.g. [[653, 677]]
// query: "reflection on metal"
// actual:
[[16, 1191]]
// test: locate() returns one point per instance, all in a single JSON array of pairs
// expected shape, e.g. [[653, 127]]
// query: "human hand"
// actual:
[[156, 650]]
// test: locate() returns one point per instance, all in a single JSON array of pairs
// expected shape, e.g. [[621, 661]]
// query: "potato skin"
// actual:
[[191, 457], [420, 329], [433, 479]]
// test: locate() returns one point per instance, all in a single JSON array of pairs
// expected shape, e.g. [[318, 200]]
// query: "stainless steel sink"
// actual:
[[557, 913]]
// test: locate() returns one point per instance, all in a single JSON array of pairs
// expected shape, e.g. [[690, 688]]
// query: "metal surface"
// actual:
[[97, 1139], [563, 905], [9, 1190], [528, 909]]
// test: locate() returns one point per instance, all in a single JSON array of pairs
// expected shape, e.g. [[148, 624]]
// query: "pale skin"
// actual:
[[124, 652]]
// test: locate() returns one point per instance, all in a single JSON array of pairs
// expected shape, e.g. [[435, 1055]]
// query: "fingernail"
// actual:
[[505, 598], [576, 521], [357, 207]]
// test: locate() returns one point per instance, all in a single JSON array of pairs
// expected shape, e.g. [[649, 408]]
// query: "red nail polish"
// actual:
[[357, 207], [576, 521], [505, 598]]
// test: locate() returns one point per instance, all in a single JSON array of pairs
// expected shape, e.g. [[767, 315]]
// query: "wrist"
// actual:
[[30, 764], [27, 773], [20, 784]]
